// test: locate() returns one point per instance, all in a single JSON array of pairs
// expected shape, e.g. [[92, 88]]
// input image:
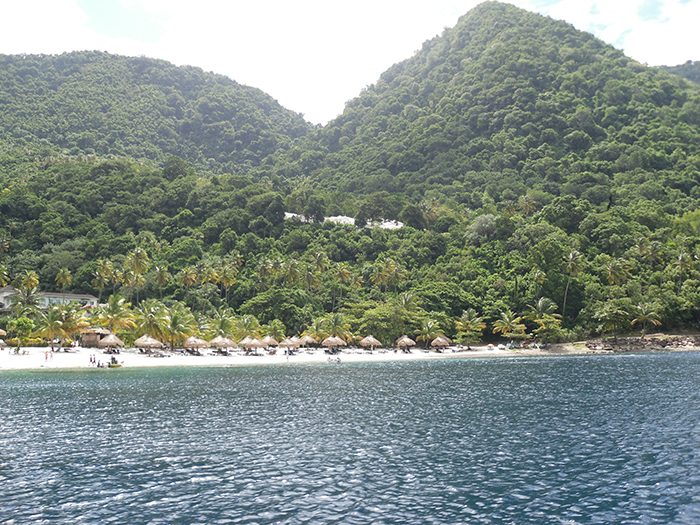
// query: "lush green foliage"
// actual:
[[97, 103], [548, 183], [509, 104]]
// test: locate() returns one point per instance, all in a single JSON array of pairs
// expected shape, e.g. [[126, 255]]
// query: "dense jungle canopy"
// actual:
[[548, 184]]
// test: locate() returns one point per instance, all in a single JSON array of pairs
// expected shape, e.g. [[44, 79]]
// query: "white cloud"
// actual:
[[314, 55]]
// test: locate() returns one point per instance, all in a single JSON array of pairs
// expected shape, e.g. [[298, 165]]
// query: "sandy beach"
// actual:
[[78, 358], [36, 358]]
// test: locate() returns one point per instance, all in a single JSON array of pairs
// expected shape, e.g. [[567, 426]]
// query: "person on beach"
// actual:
[[46, 356]]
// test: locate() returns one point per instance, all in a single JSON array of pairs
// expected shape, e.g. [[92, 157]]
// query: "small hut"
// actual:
[[92, 336]]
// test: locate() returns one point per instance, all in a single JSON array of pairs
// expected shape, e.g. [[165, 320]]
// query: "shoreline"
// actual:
[[35, 358]]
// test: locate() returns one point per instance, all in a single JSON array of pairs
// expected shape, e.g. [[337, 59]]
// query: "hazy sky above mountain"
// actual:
[[314, 55]]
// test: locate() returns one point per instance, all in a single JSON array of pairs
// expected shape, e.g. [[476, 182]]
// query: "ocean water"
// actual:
[[562, 440]]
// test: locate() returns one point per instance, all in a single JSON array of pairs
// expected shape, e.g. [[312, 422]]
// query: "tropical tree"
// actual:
[[27, 279], [151, 318], [4, 275], [21, 327], [116, 314], [317, 329], [221, 323], [102, 276], [61, 321], [187, 277], [337, 325], [429, 330], [508, 325], [246, 326], [64, 278], [543, 308], [470, 326], [274, 329], [25, 301], [161, 276], [646, 313], [341, 274], [612, 316], [572, 266], [179, 323]]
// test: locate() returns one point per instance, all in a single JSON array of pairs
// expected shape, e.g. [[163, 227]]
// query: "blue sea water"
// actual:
[[562, 440]]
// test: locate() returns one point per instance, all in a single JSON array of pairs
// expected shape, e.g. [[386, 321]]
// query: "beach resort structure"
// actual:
[[46, 299]]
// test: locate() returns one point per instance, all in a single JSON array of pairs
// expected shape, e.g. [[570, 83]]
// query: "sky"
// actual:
[[315, 55]]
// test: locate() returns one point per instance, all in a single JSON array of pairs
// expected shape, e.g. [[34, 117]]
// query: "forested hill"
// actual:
[[109, 105], [689, 70], [509, 102]]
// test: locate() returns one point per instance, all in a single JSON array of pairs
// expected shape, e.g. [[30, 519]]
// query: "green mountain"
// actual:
[[690, 70], [548, 184], [97, 103], [509, 102]]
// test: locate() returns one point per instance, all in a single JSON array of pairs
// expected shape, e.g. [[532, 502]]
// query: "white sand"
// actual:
[[35, 358]]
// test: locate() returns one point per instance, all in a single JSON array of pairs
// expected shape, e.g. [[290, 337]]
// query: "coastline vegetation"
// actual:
[[548, 185]]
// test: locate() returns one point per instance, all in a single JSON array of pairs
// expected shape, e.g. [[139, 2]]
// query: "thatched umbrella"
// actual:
[[194, 342], [404, 340], [441, 340], [290, 343], [111, 340], [270, 341], [253, 342], [3, 333], [146, 341], [370, 341], [333, 341], [307, 340], [223, 342]]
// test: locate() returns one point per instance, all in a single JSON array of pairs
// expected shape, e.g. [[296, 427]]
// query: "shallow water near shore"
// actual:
[[581, 439]]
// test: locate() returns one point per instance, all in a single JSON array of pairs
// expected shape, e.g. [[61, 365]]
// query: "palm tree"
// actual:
[[25, 301], [646, 313], [341, 275], [538, 277], [138, 262], [471, 324], [102, 275], [187, 277], [527, 204], [162, 277], [380, 277], [246, 326], [616, 271], [543, 308], [49, 325], [4, 276], [317, 329], [428, 331], [116, 314], [572, 265], [61, 321], [336, 325], [151, 318], [227, 277], [612, 316], [27, 279], [509, 325], [221, 323], [408, 301], [395, 274], [293, 272], [320, 261], [683, 263], [179, 323], [275, 329]]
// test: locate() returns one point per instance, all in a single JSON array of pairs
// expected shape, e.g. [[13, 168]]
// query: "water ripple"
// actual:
[[595, 439]]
